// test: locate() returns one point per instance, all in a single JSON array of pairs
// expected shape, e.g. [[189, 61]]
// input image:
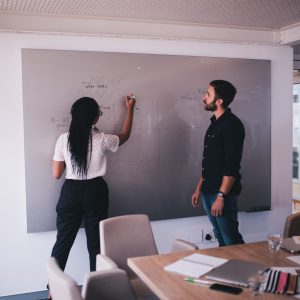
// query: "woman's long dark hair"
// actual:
[[85, 112]]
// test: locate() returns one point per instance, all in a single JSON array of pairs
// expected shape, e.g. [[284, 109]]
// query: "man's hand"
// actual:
[[195, 199], [217, 207]]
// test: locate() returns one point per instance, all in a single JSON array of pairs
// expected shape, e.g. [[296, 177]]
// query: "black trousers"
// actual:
[[79, 200]]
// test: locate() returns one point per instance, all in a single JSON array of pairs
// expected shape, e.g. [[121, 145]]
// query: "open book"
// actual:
[[195, 265]]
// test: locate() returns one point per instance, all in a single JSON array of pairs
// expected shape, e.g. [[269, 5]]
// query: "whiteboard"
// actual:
[[155, 172]]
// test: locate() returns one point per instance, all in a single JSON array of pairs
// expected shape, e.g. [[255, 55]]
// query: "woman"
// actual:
[[84, 194]]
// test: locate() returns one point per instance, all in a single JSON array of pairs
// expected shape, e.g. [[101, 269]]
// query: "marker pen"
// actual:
[[194, 280]]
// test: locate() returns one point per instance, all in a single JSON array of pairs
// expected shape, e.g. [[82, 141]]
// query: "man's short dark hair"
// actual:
[[223, 90]]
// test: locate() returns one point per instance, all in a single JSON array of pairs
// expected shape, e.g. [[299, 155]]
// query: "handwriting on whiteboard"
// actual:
[[102, 87]]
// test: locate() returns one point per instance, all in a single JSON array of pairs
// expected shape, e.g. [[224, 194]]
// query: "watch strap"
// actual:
[[221, 194]]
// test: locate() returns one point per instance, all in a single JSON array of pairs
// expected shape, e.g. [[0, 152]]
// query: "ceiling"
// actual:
[[261, 15], [256, 14]]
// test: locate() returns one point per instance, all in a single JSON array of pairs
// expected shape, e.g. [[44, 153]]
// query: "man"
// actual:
[[220, 183]]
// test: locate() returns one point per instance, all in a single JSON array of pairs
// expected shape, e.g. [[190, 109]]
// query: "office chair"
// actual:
[[98, 285], [181, 245], [127, 236], [292, 225], [130, 236]]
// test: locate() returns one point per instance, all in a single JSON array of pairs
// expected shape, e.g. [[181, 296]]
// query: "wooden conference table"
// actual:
[[171, 286]]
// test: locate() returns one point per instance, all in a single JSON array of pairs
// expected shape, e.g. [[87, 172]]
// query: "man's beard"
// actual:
[[211, 107]]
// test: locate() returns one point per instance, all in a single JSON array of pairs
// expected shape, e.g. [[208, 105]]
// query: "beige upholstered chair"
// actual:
[[292, 225], [98, 285], [130, 236], [126, 236]]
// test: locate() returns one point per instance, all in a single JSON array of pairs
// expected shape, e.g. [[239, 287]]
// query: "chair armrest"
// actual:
[[182, 245], [103, 262], [108, 284]]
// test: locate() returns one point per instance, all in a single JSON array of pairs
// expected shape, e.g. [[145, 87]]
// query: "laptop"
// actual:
[[236, 272], [290, 245]]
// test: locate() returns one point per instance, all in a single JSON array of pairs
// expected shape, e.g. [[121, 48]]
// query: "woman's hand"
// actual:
[[126, 130], [130, 101]]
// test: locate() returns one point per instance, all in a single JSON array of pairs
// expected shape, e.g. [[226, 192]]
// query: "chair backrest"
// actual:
[[127, 236], [107, 285], [111, 284], [181, 245], [61, 285], [292, 225]]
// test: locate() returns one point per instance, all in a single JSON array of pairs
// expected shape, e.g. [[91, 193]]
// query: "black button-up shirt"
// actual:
[[222, 154]]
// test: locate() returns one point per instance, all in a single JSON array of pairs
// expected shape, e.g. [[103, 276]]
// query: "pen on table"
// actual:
[[194, 280]]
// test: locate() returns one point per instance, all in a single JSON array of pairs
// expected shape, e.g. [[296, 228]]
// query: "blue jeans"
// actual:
[[225, 227]]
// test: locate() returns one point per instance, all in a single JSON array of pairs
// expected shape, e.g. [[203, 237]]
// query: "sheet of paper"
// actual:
[[295, 258], [195, 265]]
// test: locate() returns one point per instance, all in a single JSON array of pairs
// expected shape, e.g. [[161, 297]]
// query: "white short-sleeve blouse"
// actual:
[[101, 143]]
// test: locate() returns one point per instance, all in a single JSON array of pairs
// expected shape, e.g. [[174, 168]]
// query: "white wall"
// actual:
[[23, 256]]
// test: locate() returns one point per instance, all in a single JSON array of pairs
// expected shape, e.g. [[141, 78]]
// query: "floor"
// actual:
[[29, 296]]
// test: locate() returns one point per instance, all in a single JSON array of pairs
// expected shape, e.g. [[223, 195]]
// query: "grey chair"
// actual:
[[292, 225], [130, 236], [179, 245], [98, 285]]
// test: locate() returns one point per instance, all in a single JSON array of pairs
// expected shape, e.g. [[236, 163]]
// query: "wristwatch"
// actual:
[[221, 194]]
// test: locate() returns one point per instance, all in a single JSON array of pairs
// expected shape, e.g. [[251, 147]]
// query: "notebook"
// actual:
[[236, 272], [195, 265], [290, 245]]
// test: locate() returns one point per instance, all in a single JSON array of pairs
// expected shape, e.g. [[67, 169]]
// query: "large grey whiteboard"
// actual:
[[156, 170]]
